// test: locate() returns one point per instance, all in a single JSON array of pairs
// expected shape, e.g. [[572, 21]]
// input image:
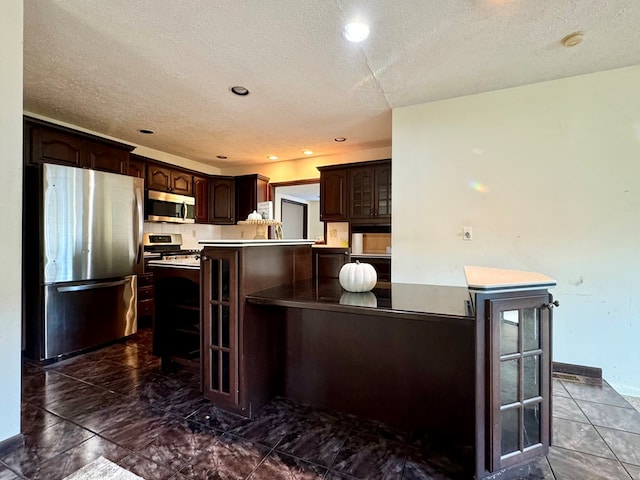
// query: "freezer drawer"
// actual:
[[80, 315]]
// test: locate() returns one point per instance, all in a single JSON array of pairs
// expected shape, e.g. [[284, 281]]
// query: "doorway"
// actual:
[[306, 192], [294, 219]]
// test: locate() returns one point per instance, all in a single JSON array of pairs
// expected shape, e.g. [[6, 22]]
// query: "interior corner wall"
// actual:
[[11, 14], [547, 175]]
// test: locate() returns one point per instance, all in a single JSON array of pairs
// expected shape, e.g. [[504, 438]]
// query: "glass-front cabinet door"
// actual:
[[520, 376], [220, 328]]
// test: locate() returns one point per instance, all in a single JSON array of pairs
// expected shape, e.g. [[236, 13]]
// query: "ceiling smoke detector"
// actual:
[[222, 157], [572, 39], [339, 139], [146, 131]]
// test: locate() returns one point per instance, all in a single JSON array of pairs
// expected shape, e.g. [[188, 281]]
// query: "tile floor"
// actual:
[[118, 403]]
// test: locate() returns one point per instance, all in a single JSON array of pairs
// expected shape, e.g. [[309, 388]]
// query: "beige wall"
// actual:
[[10, 260], [547, 176], [304, 169]]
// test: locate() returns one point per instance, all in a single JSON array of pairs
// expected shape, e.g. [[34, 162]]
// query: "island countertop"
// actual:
[[254, 242], [386, 299]]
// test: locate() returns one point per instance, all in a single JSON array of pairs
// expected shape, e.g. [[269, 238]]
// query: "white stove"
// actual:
[[177, 261], [163, 250]]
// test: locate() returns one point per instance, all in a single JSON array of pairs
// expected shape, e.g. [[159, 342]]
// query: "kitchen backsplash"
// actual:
[[191, 233]]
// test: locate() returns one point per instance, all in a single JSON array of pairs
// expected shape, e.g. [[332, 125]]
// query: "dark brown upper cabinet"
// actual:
[[250, 189], [333, 194], [221, 200], [370, 193], [357, 193], [169, 180], [201, 193], [136, 167], [49, 143]]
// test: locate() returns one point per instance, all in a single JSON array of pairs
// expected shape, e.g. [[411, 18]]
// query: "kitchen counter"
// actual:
[[254, 242], [386, 299]]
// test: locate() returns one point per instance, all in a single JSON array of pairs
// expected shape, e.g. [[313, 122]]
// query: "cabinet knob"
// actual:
[[550, 306]]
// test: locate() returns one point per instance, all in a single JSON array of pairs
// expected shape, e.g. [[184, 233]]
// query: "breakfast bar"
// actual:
[[467, 364]]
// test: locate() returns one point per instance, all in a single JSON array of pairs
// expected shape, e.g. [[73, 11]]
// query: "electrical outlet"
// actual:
[[467, 233], [241, 233], [333, 233]]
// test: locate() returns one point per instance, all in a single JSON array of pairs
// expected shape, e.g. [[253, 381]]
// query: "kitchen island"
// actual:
[[472, 364]]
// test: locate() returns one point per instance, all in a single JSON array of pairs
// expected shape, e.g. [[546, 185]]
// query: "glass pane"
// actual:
[[225, 326], [531, 376], [225, 372], [509, 381], [214, 325], [532, 425], [510, 432], [226, 277], [531, 329], [215, 265], [509, 320], [215, 375]]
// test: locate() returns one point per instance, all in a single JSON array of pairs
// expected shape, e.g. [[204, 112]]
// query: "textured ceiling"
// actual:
[[118, 66]]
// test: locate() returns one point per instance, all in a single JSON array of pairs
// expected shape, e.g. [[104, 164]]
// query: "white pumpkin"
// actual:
[[359, 299], [358, 277], [254, 216]]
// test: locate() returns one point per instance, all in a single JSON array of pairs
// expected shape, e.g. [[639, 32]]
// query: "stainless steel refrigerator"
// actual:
[[91, 240]]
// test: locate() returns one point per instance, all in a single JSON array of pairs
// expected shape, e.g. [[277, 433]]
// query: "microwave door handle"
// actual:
[[184, 211]]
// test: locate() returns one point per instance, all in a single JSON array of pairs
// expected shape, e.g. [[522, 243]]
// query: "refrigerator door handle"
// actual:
[[139, 230], [91, 286]]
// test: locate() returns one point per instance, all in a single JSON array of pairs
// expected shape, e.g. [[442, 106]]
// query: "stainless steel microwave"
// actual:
[[169, 207]]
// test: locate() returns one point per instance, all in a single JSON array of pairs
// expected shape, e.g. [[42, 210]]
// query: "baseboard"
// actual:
[[577, 373]]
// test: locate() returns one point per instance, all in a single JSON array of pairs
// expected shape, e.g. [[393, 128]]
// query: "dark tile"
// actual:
[[214, 417], [267, 429], [49, 387], [84, 399], [633, 470], [179, 445], [558, 388], [600, 394], [7, 474], [439, 460], [279, 466], [77, 457], [41, 445], [570, 465], [118, 409], [314, 441], [580, 437], [140, 427], [228, 458], [536, 469], [625, 445], [619, 418], [567, 408], [334, 475], [367, 456], [34, 418]]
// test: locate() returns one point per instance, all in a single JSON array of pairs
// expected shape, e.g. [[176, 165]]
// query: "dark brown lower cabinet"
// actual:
[[239, 353], [513, 378]]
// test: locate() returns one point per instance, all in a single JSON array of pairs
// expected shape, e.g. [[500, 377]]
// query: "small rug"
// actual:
[[102, 469]]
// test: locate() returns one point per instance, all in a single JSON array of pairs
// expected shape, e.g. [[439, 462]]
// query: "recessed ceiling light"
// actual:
[[572, 39], [308, 152], [146, 131], [340, 139], [222, 157], [238, 90], [272, 157], [356, 32]]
